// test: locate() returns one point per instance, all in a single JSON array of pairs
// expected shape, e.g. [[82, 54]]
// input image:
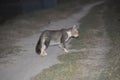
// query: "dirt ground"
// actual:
[[26, 64]]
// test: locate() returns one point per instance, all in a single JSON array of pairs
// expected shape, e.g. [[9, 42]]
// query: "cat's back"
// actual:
[[53, 35]]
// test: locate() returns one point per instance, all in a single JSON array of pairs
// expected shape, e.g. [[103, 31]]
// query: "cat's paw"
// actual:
[[43, 54], [66, 51]]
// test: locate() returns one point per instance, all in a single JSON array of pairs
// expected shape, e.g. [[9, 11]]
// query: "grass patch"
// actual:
[[88, 25], [112, 23], [57, 72]]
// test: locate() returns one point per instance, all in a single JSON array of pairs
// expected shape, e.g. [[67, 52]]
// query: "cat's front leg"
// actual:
[[65, 50], [62, 46]]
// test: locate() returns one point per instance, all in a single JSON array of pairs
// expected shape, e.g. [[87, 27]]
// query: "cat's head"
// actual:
[[74, 31]]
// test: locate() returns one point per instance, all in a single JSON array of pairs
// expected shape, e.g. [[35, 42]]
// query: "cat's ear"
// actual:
[[74, 27]]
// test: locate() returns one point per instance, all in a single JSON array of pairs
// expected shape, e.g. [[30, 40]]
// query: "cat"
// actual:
[[55, 37]]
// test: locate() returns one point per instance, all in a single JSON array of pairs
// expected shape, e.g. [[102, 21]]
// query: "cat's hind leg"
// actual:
[[45, 46]]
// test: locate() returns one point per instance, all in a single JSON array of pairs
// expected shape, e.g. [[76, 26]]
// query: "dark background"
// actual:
[[12, 8]]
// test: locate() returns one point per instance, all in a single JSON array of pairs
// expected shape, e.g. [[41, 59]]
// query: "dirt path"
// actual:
[[26, 63]]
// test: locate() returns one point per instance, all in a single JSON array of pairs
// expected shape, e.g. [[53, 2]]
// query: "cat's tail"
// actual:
[[38, 47]]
